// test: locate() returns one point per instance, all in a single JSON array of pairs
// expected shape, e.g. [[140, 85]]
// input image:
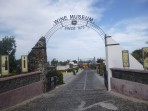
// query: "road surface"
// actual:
[[85, 92]]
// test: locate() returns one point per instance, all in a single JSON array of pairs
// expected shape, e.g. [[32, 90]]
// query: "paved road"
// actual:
[[68, 76], [84, 93]]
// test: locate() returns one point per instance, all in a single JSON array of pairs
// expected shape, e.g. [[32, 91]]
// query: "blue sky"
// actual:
[[119, 10], [125, 20]]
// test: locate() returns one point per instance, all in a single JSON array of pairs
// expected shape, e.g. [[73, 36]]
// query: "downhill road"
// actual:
[[85, 92]]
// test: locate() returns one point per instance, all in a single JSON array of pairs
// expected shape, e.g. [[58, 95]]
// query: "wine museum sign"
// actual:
[[73, 22]]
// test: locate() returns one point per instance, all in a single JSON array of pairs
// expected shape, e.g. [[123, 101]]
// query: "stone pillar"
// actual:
[[4, 65], [107, 64], [37, 60], [38, 56], [114, 58]]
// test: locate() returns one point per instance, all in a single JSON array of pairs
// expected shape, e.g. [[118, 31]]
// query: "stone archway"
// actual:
[[78, 22]]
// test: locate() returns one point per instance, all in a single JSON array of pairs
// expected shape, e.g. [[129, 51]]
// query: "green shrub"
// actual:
[[69, 70], [59, 77], [62, 70], [73, 69], [92, 66], [77, 68], [56, 73], [102, 69], [14, 72], [101, 72]]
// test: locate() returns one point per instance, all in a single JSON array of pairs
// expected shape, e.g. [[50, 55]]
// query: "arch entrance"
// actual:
[[78, 22], [74, 22], [113, 49]]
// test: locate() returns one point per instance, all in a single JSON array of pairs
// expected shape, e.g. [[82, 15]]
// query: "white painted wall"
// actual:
[[114, 58], [62, 67], [65, 67]]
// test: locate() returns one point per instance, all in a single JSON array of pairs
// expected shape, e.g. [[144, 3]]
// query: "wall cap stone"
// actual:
[[130, 70], [20, 75]]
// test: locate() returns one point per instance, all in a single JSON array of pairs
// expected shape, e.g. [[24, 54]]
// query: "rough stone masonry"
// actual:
[[38, 56]]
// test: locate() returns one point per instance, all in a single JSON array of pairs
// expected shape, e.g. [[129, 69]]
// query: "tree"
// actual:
[[63, 63], [100, 60], [8, 47], [54, 62], [74, 61], [137, 54]]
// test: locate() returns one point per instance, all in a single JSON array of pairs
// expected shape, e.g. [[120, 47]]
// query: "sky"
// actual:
[[28, 20]]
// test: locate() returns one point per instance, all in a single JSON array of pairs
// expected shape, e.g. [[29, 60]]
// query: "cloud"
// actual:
[[131, 33], [84, 43], [28, 20]]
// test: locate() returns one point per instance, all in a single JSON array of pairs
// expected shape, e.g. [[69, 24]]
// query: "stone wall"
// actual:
[[133, 83], [131, 89], [19, 88], [139, 76], [38, 57], [9, 83]]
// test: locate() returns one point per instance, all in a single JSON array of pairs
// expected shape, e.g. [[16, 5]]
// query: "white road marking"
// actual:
[[104, 104], [85, 81], [81, 105], [108, 106]]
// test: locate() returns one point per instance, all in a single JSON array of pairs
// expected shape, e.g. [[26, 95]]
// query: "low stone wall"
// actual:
[[19, 88], [139, 76], [132, 83], [13, 82]]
